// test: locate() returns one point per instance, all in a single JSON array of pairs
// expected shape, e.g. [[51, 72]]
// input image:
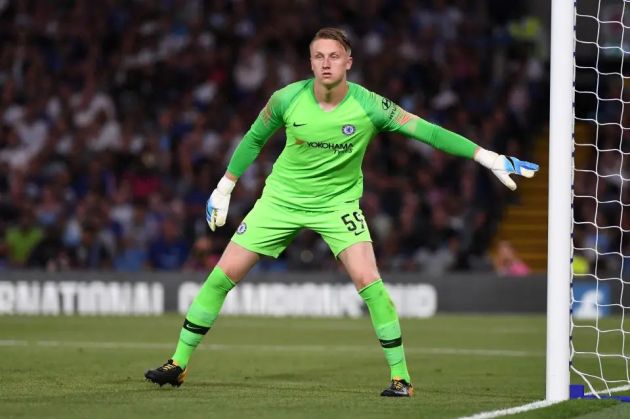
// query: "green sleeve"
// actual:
[[387, 116], [267, 122], [437, 137]]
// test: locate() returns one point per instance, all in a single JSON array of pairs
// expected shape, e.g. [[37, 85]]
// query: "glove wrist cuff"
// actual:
[[485, 157], [226, 186]]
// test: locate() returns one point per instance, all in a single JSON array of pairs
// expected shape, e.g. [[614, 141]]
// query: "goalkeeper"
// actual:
[[316, 183]]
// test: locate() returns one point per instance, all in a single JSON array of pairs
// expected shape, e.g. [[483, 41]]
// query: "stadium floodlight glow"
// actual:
[[589, 200]]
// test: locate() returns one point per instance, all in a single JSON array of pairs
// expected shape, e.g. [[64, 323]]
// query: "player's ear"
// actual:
[[349, 63]]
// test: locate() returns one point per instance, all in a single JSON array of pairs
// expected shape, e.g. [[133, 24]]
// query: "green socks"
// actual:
[[387, 327], [206, 306], [201, 315]]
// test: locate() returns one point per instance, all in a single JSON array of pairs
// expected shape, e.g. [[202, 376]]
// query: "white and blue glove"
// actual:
[[218, 203], [503, 166]]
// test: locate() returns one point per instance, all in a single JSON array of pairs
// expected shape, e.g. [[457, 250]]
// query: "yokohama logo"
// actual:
[[335, 148]]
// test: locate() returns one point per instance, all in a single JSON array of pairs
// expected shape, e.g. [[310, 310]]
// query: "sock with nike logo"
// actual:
[[387, 327], [202, 313]]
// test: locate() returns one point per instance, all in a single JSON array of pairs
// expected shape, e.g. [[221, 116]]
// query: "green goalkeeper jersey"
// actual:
[[320, 166]]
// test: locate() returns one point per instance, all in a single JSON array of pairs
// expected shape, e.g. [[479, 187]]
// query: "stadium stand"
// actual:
[[118, 117]]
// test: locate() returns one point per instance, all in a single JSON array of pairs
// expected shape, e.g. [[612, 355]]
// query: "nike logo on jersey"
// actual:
[[298, 125]]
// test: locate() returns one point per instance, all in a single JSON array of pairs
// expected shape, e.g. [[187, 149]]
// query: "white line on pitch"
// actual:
[[530, 406], [512, 410], [272, 348], [13, 343]]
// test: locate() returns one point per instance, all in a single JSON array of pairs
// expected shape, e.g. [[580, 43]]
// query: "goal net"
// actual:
[[600, 236]]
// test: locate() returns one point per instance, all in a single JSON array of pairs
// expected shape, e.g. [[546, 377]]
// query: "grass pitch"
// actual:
[[77, 367]]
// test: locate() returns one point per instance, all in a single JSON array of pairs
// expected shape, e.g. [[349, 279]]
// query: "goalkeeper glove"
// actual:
[[217, 205], [503, 166]]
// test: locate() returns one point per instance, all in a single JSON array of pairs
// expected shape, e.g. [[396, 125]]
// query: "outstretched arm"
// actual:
[[450, 142], [391, 117], [413, 126]]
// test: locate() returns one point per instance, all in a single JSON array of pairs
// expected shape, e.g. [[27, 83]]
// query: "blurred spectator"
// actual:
[[23, 238], [115, 114], [507, 262], [49, 209], [580, 264], [90, 253], [50, 254], [169, 250], [202, 257], [132, 256]]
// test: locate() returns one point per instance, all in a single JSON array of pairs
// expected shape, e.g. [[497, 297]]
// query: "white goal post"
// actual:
[[560, 181], [588, 340]]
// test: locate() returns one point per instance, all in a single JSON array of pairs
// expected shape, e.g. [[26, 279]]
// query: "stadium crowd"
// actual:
[[117, 118]]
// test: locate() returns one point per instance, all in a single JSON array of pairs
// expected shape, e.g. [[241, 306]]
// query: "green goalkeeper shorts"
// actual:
[[269, 228]]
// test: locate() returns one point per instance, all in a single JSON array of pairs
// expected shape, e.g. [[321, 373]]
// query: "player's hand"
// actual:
[[218, 203], [503, 166]]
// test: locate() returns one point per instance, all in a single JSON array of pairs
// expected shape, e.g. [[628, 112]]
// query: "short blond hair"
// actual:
[[335, 34]]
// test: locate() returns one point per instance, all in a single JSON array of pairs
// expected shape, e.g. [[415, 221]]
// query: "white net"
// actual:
[[600, 345]]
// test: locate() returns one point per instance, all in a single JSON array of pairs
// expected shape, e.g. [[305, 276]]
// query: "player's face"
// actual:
[[329, 61]]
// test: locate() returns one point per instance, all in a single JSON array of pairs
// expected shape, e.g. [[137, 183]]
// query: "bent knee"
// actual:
[[236, 261], [233, 270], [363, 279], [230, 272]]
